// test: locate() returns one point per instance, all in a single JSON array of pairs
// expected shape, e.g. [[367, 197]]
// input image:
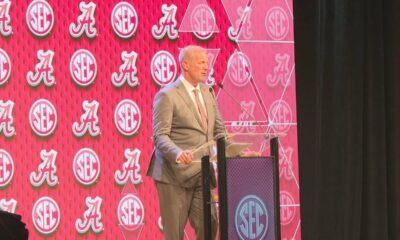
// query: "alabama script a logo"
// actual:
[[281, 72], [8, 206], [212, 56], [243, 25], [167, 23], [6, 118], [89, 120], [91, 217], [246, 118], [286, 163], [46, 170], [5, 28], [127, 71], [130, 169], [43, 70], [85, 22]]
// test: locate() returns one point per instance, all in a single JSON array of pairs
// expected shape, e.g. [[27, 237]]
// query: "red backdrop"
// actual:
[[90, 196]]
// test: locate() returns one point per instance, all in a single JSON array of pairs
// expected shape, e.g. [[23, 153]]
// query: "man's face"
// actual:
[[197, 66]]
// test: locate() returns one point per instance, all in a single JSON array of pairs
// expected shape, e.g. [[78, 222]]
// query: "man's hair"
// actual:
[[187, 50]]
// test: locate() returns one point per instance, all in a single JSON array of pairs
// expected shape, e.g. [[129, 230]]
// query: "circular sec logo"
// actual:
[[127, 117], [287, 209], [251, 218], [46, 215], [43, 117], [5, 67], [163, 68], [86, 166], [40, 17], [83, 67], [130, 212], [277, 23], [202, 21], [6, 168], [239, 69], [281, 115], [124, 20]]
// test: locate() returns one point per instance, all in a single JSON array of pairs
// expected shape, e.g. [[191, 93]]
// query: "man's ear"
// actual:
[[185, 65]]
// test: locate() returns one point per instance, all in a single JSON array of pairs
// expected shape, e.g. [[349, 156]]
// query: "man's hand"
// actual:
[[250, 154], [185, 157]]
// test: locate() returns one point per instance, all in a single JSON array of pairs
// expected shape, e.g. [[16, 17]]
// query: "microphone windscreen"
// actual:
[[219, 136]]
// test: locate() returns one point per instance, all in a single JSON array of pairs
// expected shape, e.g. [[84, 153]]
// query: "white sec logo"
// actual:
[[124, 20], [40, 17], [83, 67], [127, 117], [130, 212], [5, 67], [6, 168], [163, 68], [202, 21], [43, 117], [86, 166], [46, 215], [239, 69]]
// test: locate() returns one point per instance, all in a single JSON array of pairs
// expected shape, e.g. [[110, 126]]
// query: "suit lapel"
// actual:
[[184, 95]]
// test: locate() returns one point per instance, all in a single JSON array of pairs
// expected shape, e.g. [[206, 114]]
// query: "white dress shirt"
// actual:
[[189, 88]]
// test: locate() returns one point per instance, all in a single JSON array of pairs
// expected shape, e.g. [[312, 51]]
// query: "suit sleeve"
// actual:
[[162, 121]]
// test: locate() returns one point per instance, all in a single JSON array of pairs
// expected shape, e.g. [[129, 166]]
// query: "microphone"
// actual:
[[211, 91], [224, 135], [221, 135]]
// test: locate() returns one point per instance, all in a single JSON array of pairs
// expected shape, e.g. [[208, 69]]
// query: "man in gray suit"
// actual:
[[185, 117]]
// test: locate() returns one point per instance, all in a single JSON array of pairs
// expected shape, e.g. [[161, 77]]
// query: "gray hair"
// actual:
[[184, 52]]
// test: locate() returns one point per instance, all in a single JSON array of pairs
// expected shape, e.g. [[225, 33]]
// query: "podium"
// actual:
[[248, 189]]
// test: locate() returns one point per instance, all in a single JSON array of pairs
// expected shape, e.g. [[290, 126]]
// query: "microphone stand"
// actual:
[[266, 134]]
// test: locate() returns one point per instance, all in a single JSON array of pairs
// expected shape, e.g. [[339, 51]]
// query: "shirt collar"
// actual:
[[189, 87]]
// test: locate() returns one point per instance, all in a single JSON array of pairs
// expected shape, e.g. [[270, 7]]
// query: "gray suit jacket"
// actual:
[[176, 127]]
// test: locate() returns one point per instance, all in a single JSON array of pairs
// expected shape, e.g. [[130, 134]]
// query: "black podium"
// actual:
[[248, 189]]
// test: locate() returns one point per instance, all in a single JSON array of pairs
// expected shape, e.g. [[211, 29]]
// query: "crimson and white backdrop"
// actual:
[[77, 79]]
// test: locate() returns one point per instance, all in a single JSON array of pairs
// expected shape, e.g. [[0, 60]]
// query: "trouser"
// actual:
[[177, 204]]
